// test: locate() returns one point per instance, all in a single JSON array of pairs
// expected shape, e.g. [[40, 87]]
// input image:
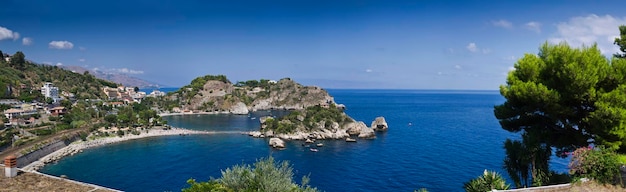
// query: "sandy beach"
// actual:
[[78, 146], [191, 113]]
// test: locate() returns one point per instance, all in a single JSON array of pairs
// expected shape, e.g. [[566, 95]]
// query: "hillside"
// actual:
[[217, 94], [121, 79], [22, 79]]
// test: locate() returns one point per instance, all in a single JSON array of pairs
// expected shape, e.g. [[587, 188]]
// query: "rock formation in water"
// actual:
[[379, 124], [314, 122]]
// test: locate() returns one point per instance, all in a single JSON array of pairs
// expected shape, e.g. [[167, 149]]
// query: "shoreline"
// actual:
[[192, 113], [79, 146]]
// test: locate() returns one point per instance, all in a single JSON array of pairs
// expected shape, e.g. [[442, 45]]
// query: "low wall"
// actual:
[[45, 150]]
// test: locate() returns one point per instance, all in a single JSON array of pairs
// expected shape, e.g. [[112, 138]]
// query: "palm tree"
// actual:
[[489, 181], [516, 162]]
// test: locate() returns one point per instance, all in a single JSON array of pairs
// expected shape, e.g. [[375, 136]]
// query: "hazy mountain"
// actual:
[[115, 77]]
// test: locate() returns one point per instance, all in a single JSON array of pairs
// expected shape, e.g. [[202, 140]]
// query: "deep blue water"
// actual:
[[454, 136]]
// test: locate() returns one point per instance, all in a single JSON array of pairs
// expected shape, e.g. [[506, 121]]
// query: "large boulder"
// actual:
[[367, 133], [354, 128], [277, 143], [379, 124], [240, 109]]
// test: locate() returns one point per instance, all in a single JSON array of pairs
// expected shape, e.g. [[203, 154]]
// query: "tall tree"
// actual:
[[566, 97], [621, 42], [18, 60]]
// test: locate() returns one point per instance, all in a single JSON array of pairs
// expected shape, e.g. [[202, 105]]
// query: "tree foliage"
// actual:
[[266, 175], [621, 42], [566, 97]]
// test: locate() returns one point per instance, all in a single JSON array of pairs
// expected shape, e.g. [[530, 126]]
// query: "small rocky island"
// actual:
[[314, 114]]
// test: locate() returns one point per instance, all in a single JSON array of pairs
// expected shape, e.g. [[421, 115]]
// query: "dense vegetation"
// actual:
[[310, 119], [266, 175], [562, 98], [18, 71]]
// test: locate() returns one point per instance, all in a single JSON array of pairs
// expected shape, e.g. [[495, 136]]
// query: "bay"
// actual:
[[437, 140]]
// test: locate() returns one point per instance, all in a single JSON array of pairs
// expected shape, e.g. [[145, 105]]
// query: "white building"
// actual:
[[50, 91]]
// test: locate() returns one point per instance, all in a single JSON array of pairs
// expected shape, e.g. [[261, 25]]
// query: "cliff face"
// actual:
[[223, 96]]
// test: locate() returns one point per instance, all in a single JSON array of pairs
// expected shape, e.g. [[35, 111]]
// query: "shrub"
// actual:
[[600, 164], [487, 182], [265, 175]]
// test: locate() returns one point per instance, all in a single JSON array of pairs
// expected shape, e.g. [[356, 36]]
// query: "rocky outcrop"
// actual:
[[239, 108], [379, 124], [277, 143]]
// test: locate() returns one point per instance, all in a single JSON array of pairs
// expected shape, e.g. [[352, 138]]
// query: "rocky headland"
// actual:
[[314, 113], [216, 94]]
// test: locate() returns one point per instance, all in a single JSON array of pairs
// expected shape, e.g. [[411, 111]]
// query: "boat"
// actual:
[[314, 150], [253, 118], [320, 144], [350, 140]]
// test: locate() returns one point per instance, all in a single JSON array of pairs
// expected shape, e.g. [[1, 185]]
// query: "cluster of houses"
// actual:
[[21, 113]]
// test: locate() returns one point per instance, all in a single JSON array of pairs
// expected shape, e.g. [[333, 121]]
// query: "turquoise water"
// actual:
[[452, 138]]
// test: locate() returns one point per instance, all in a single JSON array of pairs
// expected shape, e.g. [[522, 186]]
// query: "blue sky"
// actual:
[[334, 44]]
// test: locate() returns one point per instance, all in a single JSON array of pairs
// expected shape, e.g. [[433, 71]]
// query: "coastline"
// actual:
[[192, 113], [79, 146]]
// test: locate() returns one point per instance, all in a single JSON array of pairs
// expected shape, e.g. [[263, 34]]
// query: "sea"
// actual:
[[437, 140]]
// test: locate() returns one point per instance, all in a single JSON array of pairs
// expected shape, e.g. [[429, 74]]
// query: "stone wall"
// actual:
[[35, 155]]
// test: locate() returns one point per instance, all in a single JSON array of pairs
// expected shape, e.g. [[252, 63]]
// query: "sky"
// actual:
[[419, 44]]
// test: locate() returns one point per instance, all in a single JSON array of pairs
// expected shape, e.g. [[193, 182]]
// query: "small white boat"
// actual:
[[253, 118], [350, 140], [314, 150], [320, 145]]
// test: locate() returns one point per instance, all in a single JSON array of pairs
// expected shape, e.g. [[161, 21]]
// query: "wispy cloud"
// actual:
[[458, 67], [60, 45], [82, 48], [27, 41], [118, 70], [533, 26], [81, 60], [590, 29], [368, 70], [472, 47], [502, 23], [8, 34]]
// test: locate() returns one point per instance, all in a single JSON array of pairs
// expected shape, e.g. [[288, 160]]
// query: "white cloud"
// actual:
[[590, 29], [8, 34], [502, 23], [511, 68], [510, 58], [59, 64], [27, 41], [81, 60], [61, 45], [368, 70], [457, 67], [82, 48], [533, 26], [472, 47]]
